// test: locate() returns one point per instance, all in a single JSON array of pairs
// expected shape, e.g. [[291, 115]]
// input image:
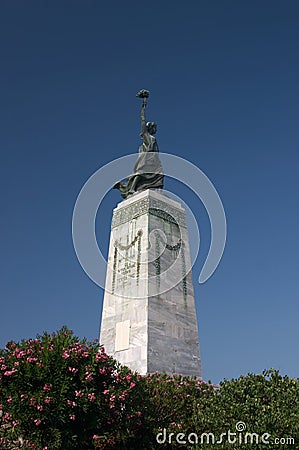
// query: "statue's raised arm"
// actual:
[[148, 129], [145, 134], [143, 121]]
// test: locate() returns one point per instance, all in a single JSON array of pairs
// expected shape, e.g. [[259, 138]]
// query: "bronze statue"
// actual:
[[148, 172]]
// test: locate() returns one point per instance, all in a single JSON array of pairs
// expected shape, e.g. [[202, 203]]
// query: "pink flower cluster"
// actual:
[[79, 394], [91, 397], [47, 387], [101, 356], [8, 373], [71, 403], [31, 360], [19, 353], [77, 350], [88, 374]]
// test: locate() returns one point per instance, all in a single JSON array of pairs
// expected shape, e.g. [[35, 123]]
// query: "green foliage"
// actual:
[[58, 392], [171, 402], [266, 403]]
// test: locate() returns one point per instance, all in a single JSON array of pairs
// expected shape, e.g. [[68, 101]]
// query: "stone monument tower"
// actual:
[[149, 317]]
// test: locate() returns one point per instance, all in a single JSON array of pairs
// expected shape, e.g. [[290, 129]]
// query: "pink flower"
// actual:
[[7, 416], [9, 400], [10, 372], [72, 417], [132, 385], [88, 376], [139, 414], [91, 397], [47, 400], [79, 394], [105, 392], [31, 360], [101, 357], [47, 387], [95, 436], [72, 404], [66, 354], [20, 353], [73, 369], [39, 407], [15, 423], [37, 422]]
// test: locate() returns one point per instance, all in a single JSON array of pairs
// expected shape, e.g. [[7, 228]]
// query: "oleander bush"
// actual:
[[59, 392]]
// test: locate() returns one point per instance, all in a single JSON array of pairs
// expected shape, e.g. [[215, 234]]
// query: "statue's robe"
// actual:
[[148, 172]]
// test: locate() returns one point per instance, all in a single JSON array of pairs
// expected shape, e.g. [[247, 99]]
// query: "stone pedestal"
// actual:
[[149, 318]]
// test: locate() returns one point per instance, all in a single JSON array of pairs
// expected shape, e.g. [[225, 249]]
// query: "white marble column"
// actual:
[[149, 318]]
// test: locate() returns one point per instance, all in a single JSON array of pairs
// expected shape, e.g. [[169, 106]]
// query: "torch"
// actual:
[[144, 94]]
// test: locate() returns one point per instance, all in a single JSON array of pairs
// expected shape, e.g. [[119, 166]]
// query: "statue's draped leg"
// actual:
[[125, 186]]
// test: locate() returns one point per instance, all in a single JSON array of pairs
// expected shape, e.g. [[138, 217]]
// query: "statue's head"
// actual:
[[151, 127]]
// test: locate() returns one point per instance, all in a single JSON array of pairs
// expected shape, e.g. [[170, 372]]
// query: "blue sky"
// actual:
[[223, 78]]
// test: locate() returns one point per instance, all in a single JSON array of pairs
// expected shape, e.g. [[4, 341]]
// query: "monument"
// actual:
[[149, 317]]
